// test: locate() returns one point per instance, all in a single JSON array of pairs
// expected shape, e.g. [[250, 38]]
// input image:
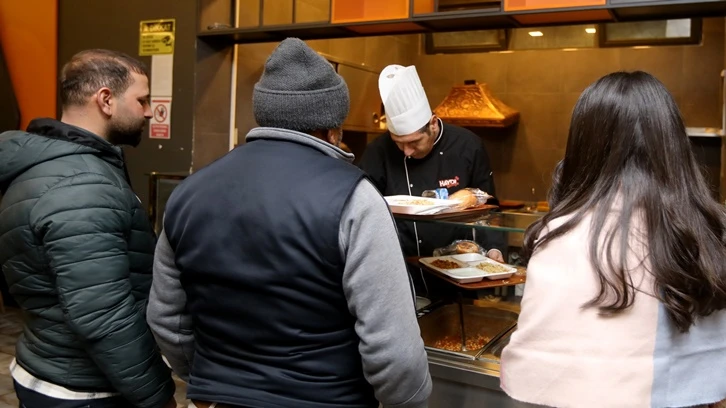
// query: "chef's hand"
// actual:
[[496, 255]]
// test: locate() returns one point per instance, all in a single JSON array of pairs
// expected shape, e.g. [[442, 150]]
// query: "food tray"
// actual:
[[403, 204], [493, 350], [462, 274], [441, 329], [467, 271], [450, 213]]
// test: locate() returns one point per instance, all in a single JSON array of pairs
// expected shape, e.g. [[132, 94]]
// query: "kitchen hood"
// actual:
[[473, 105]]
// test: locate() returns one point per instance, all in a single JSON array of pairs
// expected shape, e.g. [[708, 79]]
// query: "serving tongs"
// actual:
[[461, 321]]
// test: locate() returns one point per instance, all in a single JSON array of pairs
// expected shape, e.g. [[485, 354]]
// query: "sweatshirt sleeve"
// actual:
[[167, 315], [380, 297]]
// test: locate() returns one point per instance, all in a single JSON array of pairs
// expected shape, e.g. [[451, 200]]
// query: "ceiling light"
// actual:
[[591, 30], [536, 33]]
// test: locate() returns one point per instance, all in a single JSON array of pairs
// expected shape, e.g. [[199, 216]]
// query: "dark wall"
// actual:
[[9, 112], [544, 85], [85, 24], [213, 87], [708, 155]]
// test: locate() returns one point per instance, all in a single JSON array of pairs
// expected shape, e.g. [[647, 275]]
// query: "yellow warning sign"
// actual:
[[156, 37]]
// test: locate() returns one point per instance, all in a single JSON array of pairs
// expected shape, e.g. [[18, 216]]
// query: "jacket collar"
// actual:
[[300, 138], [54, 129]]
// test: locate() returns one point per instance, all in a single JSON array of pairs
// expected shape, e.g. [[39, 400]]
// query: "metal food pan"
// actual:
[[441, 328]]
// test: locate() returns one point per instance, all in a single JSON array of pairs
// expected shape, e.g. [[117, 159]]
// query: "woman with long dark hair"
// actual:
[[626, 282]]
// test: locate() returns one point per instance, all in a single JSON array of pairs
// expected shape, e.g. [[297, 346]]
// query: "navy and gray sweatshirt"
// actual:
[[279, 281]]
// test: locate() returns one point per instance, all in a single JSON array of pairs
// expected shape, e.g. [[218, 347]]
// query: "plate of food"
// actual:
[[461, 272], [403, 204], [469, 268]]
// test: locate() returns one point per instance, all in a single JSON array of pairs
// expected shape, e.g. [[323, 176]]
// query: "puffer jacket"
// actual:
[[77, 251]]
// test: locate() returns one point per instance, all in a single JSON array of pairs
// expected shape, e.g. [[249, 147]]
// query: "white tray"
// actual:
[[469, 273], [465, 274], [402, 204]]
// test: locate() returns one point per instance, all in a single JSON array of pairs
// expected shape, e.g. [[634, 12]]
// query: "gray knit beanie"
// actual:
[[300, 90]]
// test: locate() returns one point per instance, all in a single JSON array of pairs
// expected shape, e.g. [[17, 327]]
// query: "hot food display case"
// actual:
[[465, 331]]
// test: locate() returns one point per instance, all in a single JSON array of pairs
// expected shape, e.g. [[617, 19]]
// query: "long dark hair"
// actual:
[[628, 149]]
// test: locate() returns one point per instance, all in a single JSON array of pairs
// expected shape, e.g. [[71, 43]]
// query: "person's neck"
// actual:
[[82, 120], [322, 135]]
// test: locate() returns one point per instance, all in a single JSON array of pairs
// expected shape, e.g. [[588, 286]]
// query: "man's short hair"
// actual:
[[426, 128], [90, 70]]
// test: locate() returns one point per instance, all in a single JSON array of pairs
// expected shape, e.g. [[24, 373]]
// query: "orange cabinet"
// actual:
[[423, 6], [354, 11], [521, 5]]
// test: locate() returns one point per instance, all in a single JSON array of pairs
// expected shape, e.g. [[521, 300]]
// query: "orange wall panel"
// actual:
[[29, 39]]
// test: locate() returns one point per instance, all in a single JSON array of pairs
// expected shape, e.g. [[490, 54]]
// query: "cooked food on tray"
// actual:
[[444, 264], [459, 247], [490, 268], [413, 201], [467, 247], [453, 343], [469, 198], [465, 197]]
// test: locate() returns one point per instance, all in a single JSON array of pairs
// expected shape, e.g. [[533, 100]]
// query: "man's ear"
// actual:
[[334, 136], [104, 100]]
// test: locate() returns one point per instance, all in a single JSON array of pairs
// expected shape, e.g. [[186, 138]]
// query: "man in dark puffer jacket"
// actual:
[[76, 246]]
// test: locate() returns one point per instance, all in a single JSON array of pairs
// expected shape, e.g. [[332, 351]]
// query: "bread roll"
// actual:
[[467, 248], [466, 199]]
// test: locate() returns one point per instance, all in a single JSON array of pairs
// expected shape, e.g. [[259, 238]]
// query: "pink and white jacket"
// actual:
[[565, 356]]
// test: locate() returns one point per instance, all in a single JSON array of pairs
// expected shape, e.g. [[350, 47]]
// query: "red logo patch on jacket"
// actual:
[[448, 183]]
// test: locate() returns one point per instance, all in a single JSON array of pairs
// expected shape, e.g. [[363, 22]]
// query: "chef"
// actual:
[[421, 152]]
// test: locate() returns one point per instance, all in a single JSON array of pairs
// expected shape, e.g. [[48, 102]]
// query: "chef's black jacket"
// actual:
[[458, 160]]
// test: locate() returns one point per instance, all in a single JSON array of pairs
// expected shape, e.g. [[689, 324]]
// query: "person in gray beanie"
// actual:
[[299, 90], [279, 279]]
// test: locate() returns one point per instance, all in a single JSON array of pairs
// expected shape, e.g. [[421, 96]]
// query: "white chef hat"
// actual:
[[407, 107]]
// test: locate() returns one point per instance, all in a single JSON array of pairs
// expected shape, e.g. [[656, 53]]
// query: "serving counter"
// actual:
[[464, 335], [468, 377]]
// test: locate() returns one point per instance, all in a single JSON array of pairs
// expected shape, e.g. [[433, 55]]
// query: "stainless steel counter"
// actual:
[[461, 380], [467, 384]]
